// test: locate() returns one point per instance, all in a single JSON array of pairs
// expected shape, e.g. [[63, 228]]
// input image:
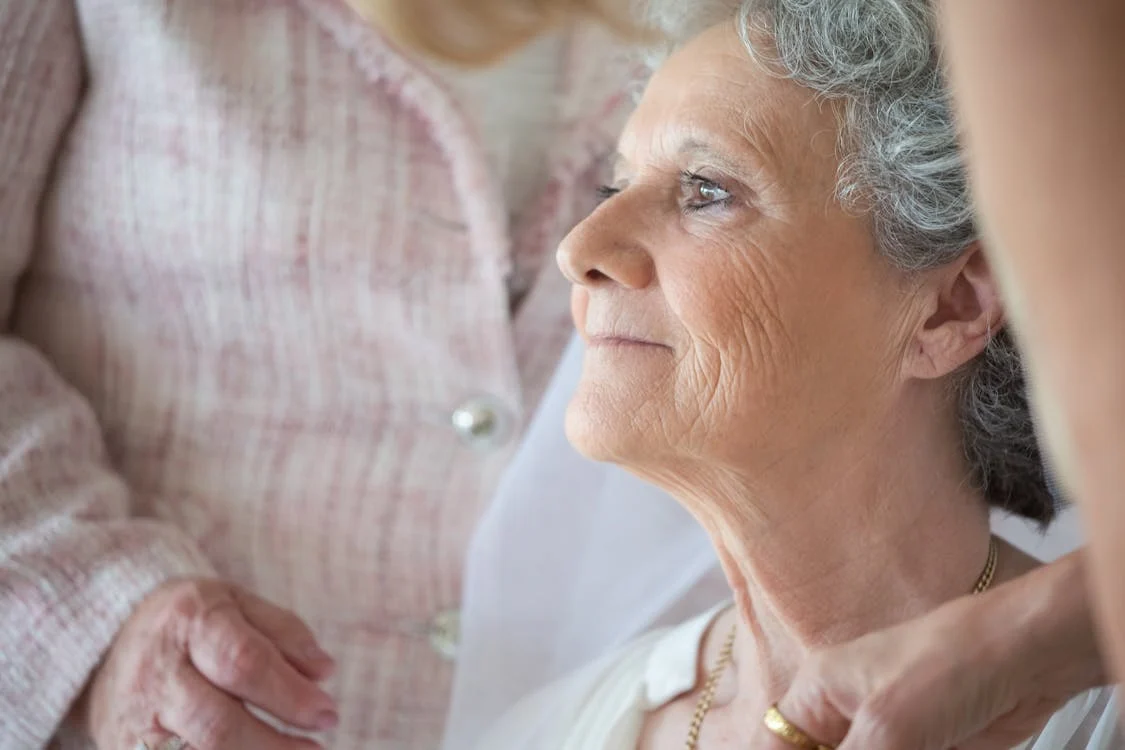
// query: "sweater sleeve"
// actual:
[[73, 564]]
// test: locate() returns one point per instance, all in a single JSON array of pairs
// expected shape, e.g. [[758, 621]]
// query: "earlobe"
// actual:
[[965, 312]]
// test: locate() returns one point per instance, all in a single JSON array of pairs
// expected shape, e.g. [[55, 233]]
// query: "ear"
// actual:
[[964, 312]]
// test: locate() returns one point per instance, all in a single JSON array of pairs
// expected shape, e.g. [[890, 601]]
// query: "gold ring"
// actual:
[[789, 732]]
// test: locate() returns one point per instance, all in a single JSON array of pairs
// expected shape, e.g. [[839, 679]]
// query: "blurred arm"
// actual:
[[73, 563], [1040, 88]]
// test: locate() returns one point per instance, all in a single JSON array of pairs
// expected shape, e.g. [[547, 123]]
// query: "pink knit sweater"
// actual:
[[250, 261]]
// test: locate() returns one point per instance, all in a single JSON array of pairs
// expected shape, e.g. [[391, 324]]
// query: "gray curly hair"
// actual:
[[901, 163]]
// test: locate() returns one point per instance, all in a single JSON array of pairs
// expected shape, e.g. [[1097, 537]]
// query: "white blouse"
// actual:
[[602, 706]]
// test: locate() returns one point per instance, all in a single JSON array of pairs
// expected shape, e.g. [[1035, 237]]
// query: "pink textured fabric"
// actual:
[[250, 261]]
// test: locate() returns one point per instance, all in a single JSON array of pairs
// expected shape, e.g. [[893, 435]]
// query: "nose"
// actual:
[[607, 249]]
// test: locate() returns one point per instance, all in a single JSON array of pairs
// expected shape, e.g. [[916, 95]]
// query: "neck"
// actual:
[[790, 601], [879, 528]]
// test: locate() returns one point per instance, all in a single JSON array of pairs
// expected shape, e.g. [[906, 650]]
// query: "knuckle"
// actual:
[[241, 660], [185, 600], [183, 607]]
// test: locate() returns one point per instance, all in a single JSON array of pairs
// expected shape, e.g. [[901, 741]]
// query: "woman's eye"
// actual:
[[702, 192]]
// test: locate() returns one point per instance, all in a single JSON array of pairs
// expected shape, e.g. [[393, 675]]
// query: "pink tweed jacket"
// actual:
[[251, 259]]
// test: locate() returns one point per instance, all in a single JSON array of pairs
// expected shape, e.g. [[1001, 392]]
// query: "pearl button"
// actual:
[[481, 422], [445, 633]]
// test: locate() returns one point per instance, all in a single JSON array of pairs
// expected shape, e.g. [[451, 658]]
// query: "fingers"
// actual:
[[189, 663], [291, 636], [238, 658], [834, 701], [208, 719], [813, 704], [813, 717], [902, 718]]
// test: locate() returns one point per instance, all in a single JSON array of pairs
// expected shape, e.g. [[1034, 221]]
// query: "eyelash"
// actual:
[[691, 180], [688, 181], [605, 192]]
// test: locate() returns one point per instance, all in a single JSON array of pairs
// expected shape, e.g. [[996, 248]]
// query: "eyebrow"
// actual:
[[750, 166], [693, 145], [743, 154]]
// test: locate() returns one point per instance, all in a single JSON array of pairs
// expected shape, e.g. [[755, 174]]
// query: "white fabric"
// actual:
[[602, 707], [575, 558], [1065, 534], [538, 601], [513, 106]]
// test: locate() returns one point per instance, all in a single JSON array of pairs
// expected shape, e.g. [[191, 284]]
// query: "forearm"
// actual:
[[1040, 88], [1042, 621], [73, 563]]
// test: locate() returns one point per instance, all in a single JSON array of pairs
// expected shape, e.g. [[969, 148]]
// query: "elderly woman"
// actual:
[[792, 328]]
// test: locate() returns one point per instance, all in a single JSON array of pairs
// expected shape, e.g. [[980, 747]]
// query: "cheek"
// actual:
[[741, 312], [579, 300], [736, 307]]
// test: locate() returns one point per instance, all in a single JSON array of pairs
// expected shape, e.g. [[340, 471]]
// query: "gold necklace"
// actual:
[[708, 695], [984, 580], [989, 572]]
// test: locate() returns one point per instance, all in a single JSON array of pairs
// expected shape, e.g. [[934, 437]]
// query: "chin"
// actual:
[[600, 426]]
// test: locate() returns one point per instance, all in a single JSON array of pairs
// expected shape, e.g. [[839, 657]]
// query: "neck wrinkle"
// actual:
[[794, 593], [849, 537]]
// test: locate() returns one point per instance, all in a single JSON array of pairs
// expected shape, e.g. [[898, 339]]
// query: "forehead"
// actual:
[[713, 91]]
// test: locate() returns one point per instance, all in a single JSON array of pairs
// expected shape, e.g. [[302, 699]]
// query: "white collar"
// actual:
[[674, 662]]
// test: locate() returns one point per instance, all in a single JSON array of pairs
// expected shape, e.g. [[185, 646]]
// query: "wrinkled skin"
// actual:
[[188, 659], [752, 352], [723, 244]]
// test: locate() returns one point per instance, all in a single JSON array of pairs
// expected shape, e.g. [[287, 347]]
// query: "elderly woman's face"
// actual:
[[733, 309]]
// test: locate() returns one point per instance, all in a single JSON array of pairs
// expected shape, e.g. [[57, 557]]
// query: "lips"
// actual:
[[608, 326], [621, 339]]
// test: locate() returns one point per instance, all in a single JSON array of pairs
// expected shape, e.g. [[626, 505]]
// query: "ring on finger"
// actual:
[[789, 732]]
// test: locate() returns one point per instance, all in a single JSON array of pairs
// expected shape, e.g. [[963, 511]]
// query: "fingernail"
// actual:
[[327, 720]]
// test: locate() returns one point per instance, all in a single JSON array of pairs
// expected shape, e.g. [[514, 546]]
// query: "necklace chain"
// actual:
[[708, 695], [984, 581], [989, 572]]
